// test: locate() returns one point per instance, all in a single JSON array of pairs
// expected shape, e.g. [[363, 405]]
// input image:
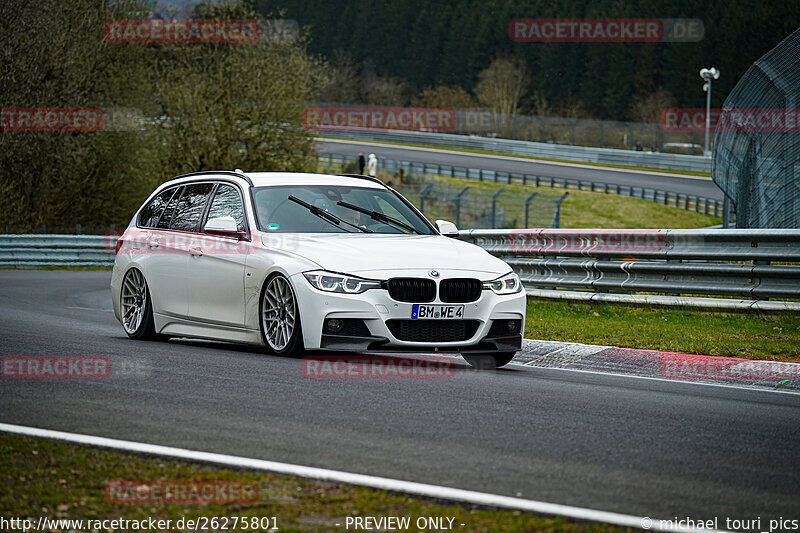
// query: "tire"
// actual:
[[136, 307], [488, 361], [279, 316]]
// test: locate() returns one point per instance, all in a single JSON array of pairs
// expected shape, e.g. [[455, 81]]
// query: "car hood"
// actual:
[[381, 255]]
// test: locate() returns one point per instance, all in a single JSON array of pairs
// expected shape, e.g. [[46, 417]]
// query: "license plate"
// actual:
[[437, 312]]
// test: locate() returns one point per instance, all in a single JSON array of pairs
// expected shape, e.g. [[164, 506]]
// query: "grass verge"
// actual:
[[584, 209], [546, 159], [41, 477], [746, 334]]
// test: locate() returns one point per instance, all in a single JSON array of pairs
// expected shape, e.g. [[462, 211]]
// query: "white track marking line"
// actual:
[[381, 483], [531, 159]]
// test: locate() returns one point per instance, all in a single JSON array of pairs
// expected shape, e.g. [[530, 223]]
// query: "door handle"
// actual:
[[155, 243], [196, 251]]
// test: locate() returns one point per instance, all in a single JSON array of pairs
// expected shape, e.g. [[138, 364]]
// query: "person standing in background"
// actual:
[[361, 163], [372, 165]]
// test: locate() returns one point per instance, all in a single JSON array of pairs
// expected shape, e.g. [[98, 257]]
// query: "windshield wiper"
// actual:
[[324, 215], [380, 217]]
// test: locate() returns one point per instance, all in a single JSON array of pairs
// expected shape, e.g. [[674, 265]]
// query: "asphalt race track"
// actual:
[[695, 185], [635, 446]]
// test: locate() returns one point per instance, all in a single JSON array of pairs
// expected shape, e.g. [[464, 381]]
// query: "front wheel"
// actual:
[[136, 307], [280, 317], [488, 361]]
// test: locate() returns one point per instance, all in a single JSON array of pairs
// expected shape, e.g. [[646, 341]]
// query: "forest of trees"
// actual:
[[412, 45], [203, 106], [189, 107]]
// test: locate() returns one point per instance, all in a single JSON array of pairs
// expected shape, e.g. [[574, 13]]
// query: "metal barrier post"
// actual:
[[422, 198], [556, 223], [726, 212], [527, 204], [757, 264], [494, 206], [458, 206], [602, 136]]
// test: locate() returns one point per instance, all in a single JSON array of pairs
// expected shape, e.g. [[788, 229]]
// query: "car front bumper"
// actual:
[[375, 307]]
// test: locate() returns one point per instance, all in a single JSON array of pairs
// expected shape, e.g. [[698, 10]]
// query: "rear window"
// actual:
[[148, 217], [166, 216], [191, 206]]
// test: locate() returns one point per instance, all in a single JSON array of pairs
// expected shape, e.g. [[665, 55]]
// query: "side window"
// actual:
[[166, 216], [227, 203], [190, 207], [148, 217]]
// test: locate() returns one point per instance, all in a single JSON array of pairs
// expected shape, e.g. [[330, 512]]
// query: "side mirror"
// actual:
[[447, 228], [225, 226]]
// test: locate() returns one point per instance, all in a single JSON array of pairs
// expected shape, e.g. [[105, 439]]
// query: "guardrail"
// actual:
[[673, 262], [590, 263], [689, 202], [613, 156], [43, 251]]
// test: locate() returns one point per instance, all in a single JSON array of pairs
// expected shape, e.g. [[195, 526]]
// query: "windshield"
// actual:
[[276, 213]]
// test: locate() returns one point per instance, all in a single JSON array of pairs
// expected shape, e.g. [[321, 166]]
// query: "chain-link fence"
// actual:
[[757, 141], [475, 207], [344, 163], [469, 207]]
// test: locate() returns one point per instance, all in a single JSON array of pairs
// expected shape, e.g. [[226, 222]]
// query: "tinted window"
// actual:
[[227, 203], [166, 216], [190, 207], [149, 215]]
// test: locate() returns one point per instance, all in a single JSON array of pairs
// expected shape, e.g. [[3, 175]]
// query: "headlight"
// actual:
[[508, 284], [332, 282]]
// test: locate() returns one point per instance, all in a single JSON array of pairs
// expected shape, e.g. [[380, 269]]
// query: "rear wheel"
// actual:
[[488, 361], [136, 307], [280, 317]]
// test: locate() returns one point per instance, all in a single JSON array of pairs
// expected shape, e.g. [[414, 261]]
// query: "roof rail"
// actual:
[[238, 173], [363, 177]]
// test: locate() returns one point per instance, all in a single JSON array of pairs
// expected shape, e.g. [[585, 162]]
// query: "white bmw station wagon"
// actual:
[[296, 262]]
